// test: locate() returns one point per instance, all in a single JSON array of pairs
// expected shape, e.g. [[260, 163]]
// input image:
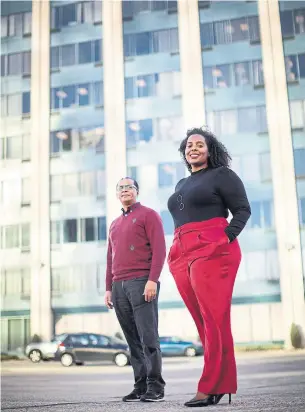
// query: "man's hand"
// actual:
[[108, 299], [150, 291]]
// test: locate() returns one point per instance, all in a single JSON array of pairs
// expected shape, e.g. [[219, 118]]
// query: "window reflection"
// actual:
[[291, 68], [300, 21], [229, 31], [74, 139], [242, 73], [160, 41], [170, 173], [84, 94]]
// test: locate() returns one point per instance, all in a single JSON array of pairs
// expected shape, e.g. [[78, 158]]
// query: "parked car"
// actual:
[[39, 351], [173, 346], [78, 348]]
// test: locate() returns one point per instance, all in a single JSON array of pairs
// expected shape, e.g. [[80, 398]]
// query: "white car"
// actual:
[[39, 351]]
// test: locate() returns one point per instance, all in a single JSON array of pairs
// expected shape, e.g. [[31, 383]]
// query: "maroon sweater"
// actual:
[[136, 246]]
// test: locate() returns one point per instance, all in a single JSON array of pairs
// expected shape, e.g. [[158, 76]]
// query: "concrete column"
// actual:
[[191, 64], [41, 312], [115, 134], [282, 163]]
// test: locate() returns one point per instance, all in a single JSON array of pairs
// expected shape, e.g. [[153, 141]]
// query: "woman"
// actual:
[[205, 255]]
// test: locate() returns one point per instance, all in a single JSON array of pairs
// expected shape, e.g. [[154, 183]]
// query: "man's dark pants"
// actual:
[[139, 322]]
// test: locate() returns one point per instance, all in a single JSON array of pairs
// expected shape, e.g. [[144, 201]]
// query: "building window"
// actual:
[[16, 236], [258, 74], [139, 131], [27, 23], [247, 120], [68, 55], [76, 13], [85, 52], [229, 31], [100, 279], [261, 214], [299, 21], [14, 64], [56, 188], [69, 14], [299, 162], [101, 184], [16, 24], [169, 128], [15, 147], [242, 73], [170, 173], [70, 185], [287, 23], [168, 223], [217, 76], [70, 230], [265, 166], [161, 41], [297, 114], [102, 228], [10, 194], [88, 229], [132, 171], [25, 235], [301, 59], [55, 232], [77, 95], [72, 140], [26, 191], [14, 104], [291, 68], [26, 103]]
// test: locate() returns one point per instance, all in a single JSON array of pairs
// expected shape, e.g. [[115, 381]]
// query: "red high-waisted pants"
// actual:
[[204, 266]]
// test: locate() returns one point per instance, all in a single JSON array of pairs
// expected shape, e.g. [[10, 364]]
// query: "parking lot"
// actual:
[[267, 382]]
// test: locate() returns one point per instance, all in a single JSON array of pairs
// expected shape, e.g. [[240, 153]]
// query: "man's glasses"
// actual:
[[122, 188]]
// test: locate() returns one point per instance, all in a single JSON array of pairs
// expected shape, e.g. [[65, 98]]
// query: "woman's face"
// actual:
[[196, 152]]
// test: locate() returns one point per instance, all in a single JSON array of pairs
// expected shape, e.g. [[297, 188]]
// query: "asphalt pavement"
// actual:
[[267, 382]]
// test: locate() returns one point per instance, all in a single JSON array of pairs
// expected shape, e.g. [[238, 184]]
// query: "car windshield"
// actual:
[[115, 340], [59, 338]]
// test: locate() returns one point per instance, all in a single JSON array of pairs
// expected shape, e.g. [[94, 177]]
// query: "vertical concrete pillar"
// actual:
[[41, 312], [193, 107], [114, 98], [282, 163]]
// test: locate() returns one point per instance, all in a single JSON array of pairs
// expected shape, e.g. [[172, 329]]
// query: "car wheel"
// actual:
[[121, 359], [190, 352], [35, 356], [67, 359]]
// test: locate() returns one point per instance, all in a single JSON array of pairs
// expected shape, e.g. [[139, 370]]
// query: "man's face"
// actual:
[[127, 192]]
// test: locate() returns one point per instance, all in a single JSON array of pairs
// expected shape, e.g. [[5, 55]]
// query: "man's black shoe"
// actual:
[[134, 396], [151, 396]]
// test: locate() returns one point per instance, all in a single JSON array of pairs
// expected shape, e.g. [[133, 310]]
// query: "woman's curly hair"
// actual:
[[218, 154]]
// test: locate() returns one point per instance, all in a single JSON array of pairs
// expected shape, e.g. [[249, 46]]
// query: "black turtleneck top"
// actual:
[[210, 193]]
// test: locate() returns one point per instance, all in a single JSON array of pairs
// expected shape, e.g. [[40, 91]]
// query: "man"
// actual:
[[136, 254]]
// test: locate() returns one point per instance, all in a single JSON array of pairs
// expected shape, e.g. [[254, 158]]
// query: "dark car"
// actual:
[[173, 346], [77, 348]]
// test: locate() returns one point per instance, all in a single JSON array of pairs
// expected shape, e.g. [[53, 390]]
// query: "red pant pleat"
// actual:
[[204, 267]]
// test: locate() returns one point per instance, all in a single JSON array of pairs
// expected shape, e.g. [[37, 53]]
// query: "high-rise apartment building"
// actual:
[[93, 91]]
